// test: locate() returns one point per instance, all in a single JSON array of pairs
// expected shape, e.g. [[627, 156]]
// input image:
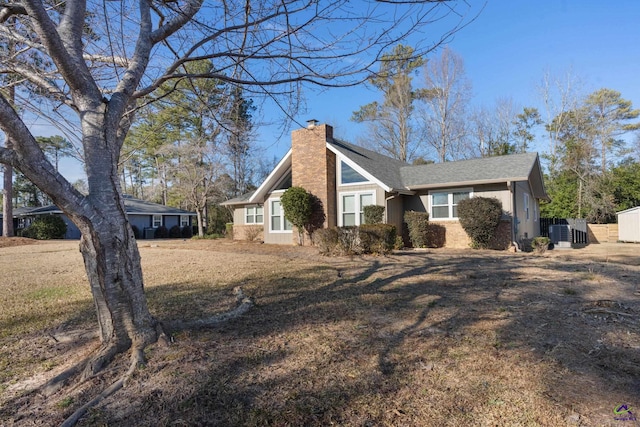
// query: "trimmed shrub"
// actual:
[[349, 240], [161, 232], [174, 232], [186, 232], [296, 202], [377, 238], [136, 232], [540, 244], [46, 228], [479, 217], [373, 214], [418, 226]]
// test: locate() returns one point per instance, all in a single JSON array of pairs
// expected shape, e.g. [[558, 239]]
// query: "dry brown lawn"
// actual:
[[417, 338]]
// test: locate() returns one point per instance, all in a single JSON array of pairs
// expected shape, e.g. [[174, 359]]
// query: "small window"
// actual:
[[348, 175], [526, 206], [254, 215], [184, 220], [157, 221]]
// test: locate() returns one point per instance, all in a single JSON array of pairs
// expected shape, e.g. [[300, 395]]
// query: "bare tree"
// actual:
[[448, 92], [98, 62]]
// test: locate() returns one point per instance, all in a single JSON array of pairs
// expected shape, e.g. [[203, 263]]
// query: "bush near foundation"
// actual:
[[377, 238], [480, 217], [418, 226], [373, 214], [371, 238], [46, 228]]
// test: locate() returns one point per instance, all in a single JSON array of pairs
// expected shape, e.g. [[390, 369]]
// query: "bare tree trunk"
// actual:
[[7, 197]]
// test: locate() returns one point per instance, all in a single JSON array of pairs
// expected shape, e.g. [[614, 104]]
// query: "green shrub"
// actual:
[[161, 232], [377, 238], [418, 226], [540, 244], [186, 232], [174, 232], [479, 217], [228, 230], [373, 214], [46, 228], [296, 203]]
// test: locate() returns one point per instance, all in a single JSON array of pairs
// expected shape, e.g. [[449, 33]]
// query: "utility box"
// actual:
[[560, 235], [149, 233]]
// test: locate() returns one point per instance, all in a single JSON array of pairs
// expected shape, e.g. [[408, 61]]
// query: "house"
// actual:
[[629, 225], [145, 216], [346, 178]]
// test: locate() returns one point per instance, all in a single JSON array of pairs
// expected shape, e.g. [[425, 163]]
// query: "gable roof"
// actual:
[[377, 167]]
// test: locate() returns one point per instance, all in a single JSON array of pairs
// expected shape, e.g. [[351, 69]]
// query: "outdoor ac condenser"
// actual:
[[560, 235]]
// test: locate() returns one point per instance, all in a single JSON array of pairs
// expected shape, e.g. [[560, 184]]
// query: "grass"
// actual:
[[422, 339]]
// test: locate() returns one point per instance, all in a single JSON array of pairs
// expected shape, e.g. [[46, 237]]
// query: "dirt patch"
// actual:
[[6, 242], [437, 337]]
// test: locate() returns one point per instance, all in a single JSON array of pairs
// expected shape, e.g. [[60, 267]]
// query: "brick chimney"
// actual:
[[314, 167]]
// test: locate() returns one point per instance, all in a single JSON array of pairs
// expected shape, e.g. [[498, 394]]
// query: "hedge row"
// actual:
[[367, 238]]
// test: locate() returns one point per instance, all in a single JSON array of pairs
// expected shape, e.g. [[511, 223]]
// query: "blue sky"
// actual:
[[506, 52]]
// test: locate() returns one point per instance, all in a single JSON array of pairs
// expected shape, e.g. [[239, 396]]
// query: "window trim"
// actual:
[[526, 207], [254, 215], [359, 209], [184, 220], [153, 220], [450, 204], [283, 220]]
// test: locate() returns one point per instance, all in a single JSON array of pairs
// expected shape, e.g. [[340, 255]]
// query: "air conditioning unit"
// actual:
[[560, 235]]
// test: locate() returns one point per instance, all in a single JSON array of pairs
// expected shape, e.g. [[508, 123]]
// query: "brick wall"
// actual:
[[314, 167]]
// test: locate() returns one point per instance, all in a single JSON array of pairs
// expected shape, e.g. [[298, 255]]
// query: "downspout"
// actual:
[[514, 217]]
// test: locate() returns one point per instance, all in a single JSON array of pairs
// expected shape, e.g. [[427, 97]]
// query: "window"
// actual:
[[352, 207], [157, 221], [444, 204], [526, 206], [535, 211], [348, 175], [278, 223], [184, 220], [254, 215]]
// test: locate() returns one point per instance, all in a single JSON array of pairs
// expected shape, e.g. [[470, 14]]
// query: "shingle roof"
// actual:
[[132, 206], [515, 167]]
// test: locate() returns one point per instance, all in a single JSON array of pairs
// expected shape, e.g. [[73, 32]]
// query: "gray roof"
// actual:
[[240, 200], [384, 168], [132, 206], [515, 167]]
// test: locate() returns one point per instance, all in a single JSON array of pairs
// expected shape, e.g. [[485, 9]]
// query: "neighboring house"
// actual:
[[346, 178], [146, 216]]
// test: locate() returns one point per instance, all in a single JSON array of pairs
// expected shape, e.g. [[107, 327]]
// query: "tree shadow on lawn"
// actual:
[[434, 338], [418, 339]]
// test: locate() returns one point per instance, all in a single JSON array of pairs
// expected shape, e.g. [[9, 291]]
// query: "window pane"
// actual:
[[259, 219], [455, 211], [275, 223], [348, 219], [366, 200], [440, 198], [348, 203], [259, 210], [460, 196], [249, 219], [287, 225], [349, 175], [440, 212], [275, 208]]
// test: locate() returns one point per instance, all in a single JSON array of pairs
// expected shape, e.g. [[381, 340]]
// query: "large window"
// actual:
[[444, 204], [254, 215], [352, 207], [278, 223]]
